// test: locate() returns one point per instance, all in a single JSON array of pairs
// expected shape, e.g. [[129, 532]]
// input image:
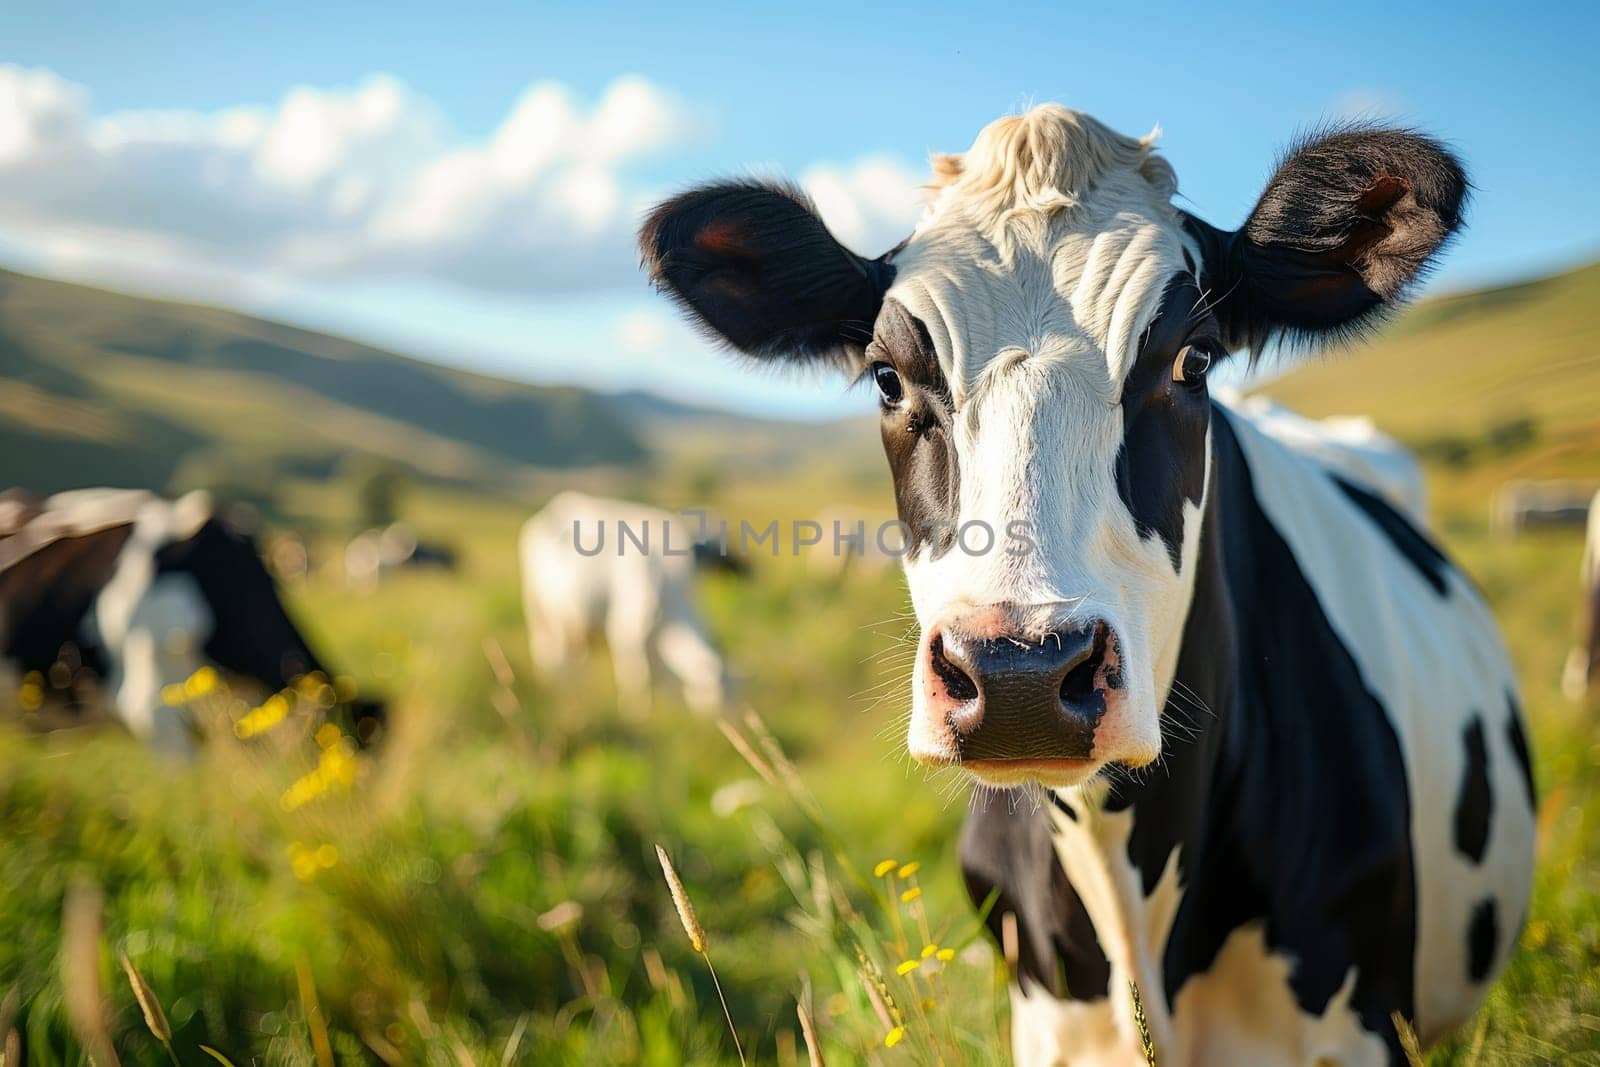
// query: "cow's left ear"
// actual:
[[1348, 222]]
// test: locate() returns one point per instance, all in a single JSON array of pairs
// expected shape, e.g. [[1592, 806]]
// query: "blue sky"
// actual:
[[390, 173]]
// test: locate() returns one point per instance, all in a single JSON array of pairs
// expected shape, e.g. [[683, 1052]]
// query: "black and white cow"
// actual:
[[140, 592], [1286, 784]]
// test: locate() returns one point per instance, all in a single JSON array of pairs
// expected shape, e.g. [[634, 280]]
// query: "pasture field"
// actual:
[[487, 890]]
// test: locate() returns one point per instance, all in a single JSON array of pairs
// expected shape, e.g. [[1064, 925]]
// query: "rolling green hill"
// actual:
[[1494, 384], [102, 388], [98, 387]]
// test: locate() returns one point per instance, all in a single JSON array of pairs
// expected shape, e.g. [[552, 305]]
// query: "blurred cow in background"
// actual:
[[1522, 505], [1583, 664], [625, 571], [371, 554], [138, 594]]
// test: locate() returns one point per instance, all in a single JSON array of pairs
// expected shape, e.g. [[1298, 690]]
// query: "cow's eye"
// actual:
[[1192, 363], [890, 391]]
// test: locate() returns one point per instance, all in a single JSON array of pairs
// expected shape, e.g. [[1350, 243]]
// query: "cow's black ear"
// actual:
[[1350, 220], [754, 263]]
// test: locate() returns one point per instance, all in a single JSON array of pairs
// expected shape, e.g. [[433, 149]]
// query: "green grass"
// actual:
[[438, 932], [489, 883]]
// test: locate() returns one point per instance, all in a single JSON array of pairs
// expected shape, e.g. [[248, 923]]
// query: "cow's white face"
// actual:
[[1022, 387], [1040, 346]]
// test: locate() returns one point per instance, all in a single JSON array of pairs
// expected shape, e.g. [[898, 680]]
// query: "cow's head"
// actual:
[[1040, 347]]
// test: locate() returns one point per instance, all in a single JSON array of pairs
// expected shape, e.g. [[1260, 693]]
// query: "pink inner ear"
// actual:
[[723, 238], [1384, 192], [1371, 224]]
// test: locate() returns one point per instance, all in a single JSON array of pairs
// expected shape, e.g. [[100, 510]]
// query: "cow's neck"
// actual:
[[1120, 839]]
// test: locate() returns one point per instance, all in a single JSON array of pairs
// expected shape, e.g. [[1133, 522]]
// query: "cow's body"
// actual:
[[640, 599], [1275, 775], [1350, 444], [1331, 832], [1582, 675], [137, 593]]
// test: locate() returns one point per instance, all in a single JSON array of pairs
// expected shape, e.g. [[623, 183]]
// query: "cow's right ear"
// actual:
[[755, 265]]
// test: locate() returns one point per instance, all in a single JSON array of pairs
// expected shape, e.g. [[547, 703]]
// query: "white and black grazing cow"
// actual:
[[139, 592], [596, 566], [1582, 674], [1288, 786]]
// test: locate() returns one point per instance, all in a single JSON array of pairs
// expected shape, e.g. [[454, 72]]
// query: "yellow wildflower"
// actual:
[[883, 868], [200, 682], [893, 1037]]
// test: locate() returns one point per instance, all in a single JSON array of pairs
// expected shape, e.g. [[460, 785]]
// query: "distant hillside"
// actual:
[[1494, 384], [98, 387], [102, 388]]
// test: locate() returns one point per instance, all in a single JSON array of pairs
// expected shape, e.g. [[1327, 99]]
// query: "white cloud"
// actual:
[[1365, 105], [643, 332], [368, 184], [354, 183], [871, 206]]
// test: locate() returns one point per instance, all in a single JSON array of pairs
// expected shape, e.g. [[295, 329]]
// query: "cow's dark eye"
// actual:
[[1192, 363], [890, 392]]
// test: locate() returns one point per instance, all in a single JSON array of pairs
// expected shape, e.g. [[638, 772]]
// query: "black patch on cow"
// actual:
[[1295, 811], [1161, 463], [1174, 809], [917, 433], [1519, 747], [1483, 936], [754, 264], [1008, 848], [251, 633], [1422, 553], [46, 596], [1474, 801]]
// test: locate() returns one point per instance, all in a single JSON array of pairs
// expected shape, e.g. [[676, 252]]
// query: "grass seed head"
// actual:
[[154, 1017], [680, 900]]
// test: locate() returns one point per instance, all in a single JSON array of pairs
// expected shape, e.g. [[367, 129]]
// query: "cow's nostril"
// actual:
[[1078, 684], [957, 683]]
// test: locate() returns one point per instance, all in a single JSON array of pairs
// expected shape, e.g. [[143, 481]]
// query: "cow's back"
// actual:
[[1427, 649], [576, 562]]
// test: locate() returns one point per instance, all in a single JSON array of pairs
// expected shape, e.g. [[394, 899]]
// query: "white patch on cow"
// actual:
[[1041, 261], [1434, 663], [642, 601], [161, 647], [1046, 1032], [152, 627], [75, 513], [1131, 928], [1243, 1010], [1351, 446]]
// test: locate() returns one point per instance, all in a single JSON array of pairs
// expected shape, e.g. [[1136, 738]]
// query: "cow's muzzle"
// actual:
[[1009, 702]]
